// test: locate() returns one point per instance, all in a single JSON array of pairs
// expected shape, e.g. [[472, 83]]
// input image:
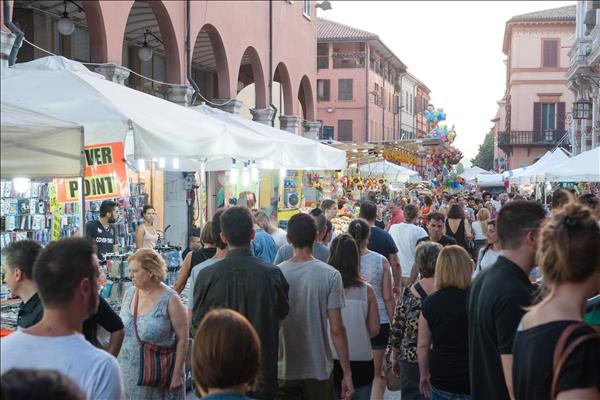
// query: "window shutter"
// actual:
[[537, 117], [560, 116]]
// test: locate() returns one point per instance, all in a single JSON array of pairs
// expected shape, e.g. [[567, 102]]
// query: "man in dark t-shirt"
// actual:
[[435, 228], [497, 301], [101, 231]]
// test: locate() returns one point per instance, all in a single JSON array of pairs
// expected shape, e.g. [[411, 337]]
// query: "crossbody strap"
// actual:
[[420, 290], [561, 355], [135, 314]]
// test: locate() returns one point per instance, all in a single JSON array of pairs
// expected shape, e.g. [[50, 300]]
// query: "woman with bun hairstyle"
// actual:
[[569, 257], [377, 271]]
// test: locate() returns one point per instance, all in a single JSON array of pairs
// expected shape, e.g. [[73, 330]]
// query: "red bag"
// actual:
[[156, 362]]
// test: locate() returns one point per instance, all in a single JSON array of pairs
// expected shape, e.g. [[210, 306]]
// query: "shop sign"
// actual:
[[105, 175]]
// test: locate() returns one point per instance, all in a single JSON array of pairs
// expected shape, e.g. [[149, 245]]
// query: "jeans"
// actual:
[[360, 392], [409, 381], [438, 394]]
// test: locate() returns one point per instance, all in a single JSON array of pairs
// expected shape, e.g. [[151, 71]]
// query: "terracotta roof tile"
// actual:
[[330, 30], [566, 13]]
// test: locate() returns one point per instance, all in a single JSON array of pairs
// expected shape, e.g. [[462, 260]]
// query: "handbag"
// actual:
[[392, 381], [561, 354], [156, 362]]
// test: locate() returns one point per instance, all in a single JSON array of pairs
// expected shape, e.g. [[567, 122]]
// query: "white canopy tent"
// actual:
[[535, 172], [391, 171], [584, 167], [37, 146], [110, 112], [489, 180], [471, 173], [295, 152]]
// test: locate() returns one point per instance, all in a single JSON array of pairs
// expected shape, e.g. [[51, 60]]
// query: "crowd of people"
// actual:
[[440, 303]]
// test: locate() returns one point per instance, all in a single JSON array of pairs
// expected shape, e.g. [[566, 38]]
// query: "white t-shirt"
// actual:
[[478, 230], [406, 236], [280, 237], [95, 371]]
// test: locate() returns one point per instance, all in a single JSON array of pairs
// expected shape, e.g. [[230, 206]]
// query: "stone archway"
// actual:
[[305, 96], [210, 67], [282, 76], [251, 78]]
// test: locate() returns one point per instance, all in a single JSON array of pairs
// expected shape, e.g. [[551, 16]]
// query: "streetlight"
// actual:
[[324, 5], [582, 109], [145, 52], [65, 25]]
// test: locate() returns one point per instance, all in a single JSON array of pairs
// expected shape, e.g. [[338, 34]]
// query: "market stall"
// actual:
[[292, 179], [584, 167], [535, 172]]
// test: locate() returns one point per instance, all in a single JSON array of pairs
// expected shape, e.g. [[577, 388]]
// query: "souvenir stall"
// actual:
[[35, 148], [580, 173], [297, 176]]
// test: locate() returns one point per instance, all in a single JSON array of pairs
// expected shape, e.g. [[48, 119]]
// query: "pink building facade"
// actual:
[[536, 103], [229, 48], [358, 85]]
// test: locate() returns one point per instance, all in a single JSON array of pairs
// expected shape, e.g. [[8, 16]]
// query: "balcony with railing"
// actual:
[[548, 138]]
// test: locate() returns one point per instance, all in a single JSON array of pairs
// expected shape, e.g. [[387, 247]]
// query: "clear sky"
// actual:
[[454, 47]]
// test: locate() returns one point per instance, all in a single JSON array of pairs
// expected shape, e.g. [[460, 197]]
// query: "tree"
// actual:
[[460, 168], [485, 157]]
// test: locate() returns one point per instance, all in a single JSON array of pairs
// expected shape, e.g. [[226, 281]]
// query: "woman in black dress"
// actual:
[[442, 346], [569, 257], [457, 226]]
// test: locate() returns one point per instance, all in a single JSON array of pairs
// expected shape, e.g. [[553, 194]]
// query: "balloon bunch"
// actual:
[[451, 182], [434, 115]]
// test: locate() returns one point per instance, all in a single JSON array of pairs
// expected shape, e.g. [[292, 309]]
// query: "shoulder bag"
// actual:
[[156, 362], [562, 354], [392, 381]]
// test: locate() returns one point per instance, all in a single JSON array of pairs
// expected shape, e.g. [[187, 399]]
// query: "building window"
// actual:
[[376, 95], [323, 89], [322, 55], [548, 116], [327, 132], [345, 89], [345, 130], [550, 53], [306, 8]]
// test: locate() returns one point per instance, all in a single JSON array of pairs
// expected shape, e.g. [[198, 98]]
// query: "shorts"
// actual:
[[380, 342]]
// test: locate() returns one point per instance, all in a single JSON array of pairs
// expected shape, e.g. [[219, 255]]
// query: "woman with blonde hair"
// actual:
[[556, 355], [442, 349], [480, 228], [152, 314]]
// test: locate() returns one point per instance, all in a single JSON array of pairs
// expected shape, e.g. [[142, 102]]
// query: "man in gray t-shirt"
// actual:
[[319, 251], [317, 293]]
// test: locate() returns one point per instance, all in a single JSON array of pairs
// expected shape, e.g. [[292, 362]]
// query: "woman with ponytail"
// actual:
[[555, 354], [377, 271]]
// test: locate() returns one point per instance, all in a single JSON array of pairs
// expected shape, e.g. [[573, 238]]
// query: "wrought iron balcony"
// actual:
[[529, 138]]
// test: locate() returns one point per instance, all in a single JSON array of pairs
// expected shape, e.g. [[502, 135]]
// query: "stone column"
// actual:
[[113, 72], [231, 106], [311, 130], [290, 123], [262, 115], [595, 120], [7, 39], [179, 94]]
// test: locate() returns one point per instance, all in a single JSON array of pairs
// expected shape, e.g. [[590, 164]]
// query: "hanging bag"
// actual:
[[156, 362], [562, 354]]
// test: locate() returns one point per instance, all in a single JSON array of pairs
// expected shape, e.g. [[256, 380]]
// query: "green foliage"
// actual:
[[460, 168], [485, 157]]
